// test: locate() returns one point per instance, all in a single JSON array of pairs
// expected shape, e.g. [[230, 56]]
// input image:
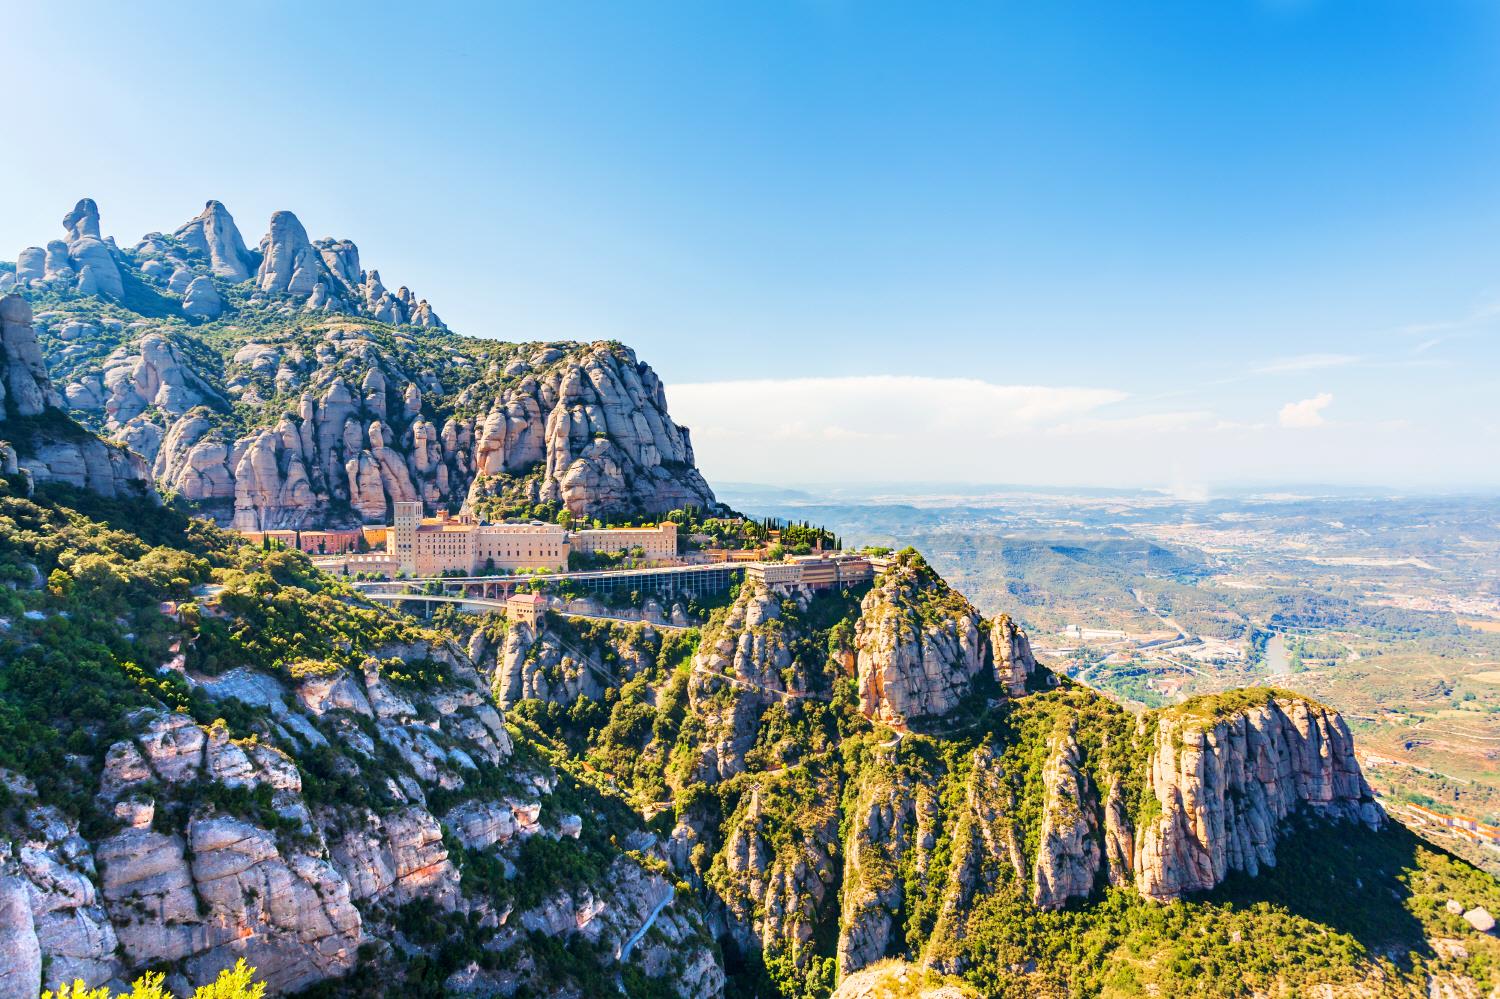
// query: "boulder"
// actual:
[[201, 299]]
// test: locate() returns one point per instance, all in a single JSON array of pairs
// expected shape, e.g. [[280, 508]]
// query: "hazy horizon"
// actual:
[[1170, 247]]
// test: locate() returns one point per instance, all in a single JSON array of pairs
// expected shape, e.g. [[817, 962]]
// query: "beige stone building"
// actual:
[[432, 546], [525, 608], [659, 542]]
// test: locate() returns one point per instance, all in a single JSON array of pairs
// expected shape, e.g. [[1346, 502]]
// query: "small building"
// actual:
[[813, 572], [329, 542], [525, 608]]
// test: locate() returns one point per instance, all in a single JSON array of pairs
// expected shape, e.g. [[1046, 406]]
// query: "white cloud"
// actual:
[[878, 406], [906, 429], [1307, 413], [1305, 362]]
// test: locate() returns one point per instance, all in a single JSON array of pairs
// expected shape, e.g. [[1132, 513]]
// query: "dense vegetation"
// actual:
[[816, 763]]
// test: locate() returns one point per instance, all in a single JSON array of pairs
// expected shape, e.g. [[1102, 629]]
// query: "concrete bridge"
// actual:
[[664, 581]]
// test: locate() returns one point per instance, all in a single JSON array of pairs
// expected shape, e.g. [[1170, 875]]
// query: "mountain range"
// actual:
[[211, 751]]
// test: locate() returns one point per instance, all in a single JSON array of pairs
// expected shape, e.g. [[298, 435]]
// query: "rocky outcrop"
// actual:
[[91, 258], [83, 262], [289, 265], [1014, 663], [20, 951], [1226, 775], [881, 830], [194, 880], [201, 299], [25, 389], [921, 647], [56, 450], [737, 674], [772, 900], [1068, 858], [213, 234]]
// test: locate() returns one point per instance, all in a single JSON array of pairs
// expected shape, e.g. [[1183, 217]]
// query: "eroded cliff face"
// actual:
[[1224, 780], [212, 847], [924, 651], [42, 442], [295, 414], [358, 430], [740, 672]]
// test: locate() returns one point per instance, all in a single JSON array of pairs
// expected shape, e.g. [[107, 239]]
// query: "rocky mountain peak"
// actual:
[[289, 264], [213, 233], [82, 261], [83, 220], [922, 649]]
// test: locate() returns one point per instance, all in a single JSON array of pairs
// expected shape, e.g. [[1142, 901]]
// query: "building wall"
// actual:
[[401, 542], [329, 542], [434, 546], [659, 542], [520, 546]]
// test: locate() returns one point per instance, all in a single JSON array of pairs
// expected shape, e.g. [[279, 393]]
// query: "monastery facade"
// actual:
[[431, 546]]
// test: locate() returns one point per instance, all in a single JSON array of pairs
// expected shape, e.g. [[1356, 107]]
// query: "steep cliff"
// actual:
[[1225, 774], [287, 387], [856, 776], [925, 653]]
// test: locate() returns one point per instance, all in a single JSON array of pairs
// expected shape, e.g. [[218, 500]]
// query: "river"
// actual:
[[1277, 661]]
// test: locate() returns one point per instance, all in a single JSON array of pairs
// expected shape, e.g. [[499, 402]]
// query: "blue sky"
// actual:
[[1175, 244]]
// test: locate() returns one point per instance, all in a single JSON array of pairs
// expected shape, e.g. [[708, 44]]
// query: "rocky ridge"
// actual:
[[294, 413], [963, 773]]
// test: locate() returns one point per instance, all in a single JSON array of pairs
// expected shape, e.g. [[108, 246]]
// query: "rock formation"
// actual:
[[98, 274], [1014, 663], [55, 450], [299, 888], [1068, 860], [201, 299], [591, 433], [214, 235], [1225, 779], [494, 427], [289, 264], [921, 646]]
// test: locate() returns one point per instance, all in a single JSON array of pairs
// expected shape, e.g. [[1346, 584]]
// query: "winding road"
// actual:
[[635, 937]]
